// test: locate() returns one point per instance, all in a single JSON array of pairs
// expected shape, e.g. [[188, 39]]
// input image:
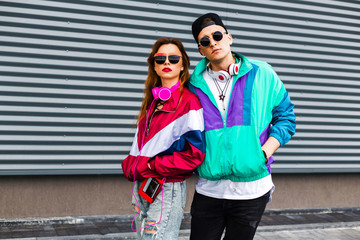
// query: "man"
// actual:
[[248, 116]]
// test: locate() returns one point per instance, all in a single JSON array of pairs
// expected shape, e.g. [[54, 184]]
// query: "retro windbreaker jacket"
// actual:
[[173, 143], [259, 107]]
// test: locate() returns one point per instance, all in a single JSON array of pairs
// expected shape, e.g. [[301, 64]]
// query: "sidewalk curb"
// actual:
[[310, 211], [308, 226], [65, 220]]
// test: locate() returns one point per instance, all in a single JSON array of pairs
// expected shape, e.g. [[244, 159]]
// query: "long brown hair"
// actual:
[[153, 80]]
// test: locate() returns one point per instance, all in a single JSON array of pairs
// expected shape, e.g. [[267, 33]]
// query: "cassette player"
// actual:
[[150, 188]]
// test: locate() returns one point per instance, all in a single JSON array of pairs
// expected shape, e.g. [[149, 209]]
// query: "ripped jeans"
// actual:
[[173, 206]]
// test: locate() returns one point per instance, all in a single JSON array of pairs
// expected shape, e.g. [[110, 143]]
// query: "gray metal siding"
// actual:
[[72, 74]]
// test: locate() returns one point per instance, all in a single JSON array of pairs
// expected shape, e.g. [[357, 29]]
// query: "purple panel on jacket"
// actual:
[[263, 137], [212, 117], [235, 111]]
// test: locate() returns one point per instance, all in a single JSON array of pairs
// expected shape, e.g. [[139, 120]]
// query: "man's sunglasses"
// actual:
[[205, 41], [173, 59]]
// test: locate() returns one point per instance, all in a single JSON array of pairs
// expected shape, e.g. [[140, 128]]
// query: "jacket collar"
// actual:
[[197, 79]]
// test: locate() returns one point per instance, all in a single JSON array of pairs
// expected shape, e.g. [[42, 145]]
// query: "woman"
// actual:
[[168, 144]]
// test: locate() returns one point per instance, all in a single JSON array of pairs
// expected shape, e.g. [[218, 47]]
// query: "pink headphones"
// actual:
[[223, 75], [164, 93]]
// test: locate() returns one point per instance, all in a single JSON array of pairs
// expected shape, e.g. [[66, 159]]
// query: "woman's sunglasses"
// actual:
[[205, 41], [173, 59]]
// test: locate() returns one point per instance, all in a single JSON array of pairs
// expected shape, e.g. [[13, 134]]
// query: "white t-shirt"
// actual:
[[226, 189]]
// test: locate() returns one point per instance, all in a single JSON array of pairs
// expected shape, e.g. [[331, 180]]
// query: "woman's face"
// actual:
[[168, 68]]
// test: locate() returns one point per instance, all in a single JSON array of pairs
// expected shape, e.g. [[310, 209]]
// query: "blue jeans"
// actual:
[[240, 218], [173, 206]]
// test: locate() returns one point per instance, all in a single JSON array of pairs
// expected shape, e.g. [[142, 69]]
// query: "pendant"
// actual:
[[221, 97], [223, 104]]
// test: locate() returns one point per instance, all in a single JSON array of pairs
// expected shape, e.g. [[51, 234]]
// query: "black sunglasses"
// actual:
[[205, 41], [173, 59]]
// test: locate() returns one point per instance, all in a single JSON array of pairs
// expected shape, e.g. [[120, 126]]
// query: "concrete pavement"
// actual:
[[312, 224]]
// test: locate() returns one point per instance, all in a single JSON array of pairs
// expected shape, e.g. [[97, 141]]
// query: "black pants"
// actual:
[[240, 218]]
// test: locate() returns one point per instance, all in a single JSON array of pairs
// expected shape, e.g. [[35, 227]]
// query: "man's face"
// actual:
[[216, 51]]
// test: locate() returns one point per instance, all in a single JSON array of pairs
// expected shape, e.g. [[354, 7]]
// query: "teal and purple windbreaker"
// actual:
[[259, 107]]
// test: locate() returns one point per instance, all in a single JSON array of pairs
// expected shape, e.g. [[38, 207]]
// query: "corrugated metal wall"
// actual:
[[72, 73]]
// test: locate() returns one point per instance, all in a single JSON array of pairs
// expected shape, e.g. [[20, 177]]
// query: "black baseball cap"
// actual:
[[197, 27]]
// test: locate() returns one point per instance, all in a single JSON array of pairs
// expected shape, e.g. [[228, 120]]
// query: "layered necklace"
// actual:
[[222, 92]]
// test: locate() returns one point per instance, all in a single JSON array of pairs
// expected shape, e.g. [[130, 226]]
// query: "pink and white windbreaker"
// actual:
[[173, 143]]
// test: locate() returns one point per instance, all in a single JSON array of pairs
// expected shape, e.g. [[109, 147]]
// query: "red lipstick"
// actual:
[[166, 70]]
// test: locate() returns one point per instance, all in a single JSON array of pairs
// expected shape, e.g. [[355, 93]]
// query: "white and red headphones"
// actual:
[[164, 93], [223, 75]]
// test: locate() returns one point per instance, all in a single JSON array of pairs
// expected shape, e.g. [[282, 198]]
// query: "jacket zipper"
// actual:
[[152, 115]]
